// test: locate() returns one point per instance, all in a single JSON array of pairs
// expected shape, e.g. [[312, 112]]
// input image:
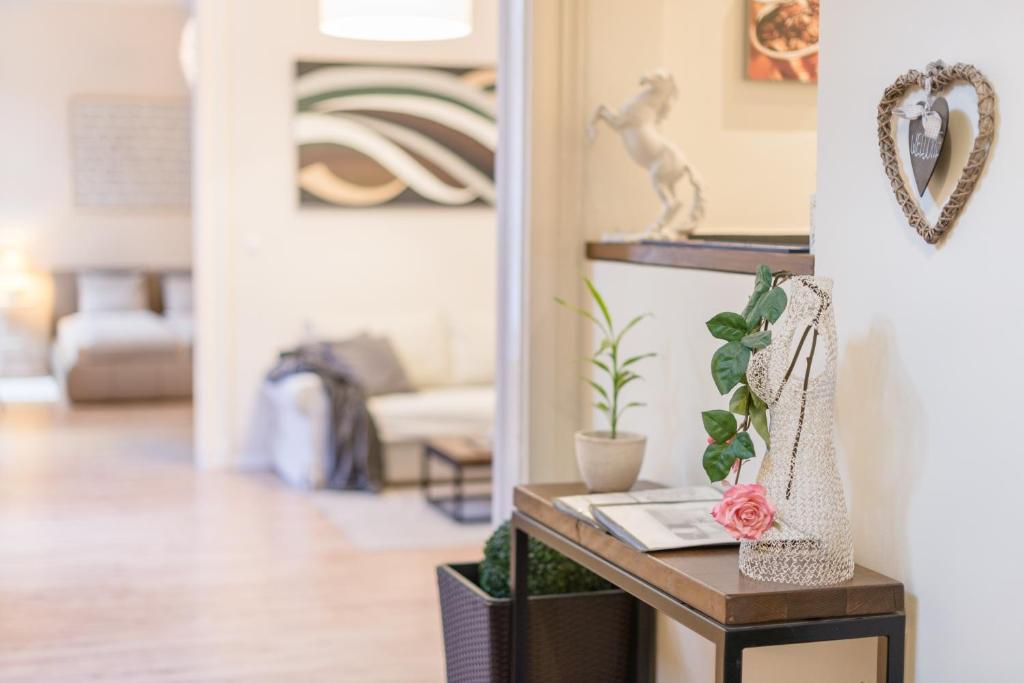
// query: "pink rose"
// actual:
[[745, 512]]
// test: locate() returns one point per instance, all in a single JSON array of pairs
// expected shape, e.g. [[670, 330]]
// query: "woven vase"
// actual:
[[811, 543]]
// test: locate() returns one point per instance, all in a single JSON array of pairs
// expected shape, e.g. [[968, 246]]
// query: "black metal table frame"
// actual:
[[729, 641], [453, 505]]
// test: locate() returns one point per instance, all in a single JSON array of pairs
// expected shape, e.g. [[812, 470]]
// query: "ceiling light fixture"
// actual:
[[396, 20]]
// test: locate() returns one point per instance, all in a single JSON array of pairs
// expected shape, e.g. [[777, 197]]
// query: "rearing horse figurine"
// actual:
[[637, 122]]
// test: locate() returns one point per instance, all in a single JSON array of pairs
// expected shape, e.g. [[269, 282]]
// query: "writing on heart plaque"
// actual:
[[926, 146]]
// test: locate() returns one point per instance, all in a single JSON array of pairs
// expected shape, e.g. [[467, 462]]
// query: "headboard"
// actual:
[[65, 290]]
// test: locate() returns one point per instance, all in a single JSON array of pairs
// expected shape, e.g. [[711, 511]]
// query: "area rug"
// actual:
[[395, 519]]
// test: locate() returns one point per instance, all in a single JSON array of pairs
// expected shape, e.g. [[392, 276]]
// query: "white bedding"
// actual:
[[115, 333]]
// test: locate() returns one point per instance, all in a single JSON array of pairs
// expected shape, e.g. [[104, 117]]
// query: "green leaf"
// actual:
[[757, 340], [603, 407], [630, 325], [599, 300], [727, 326], [599, 364], [717, 462], [762, 283], [770, 307], [635, 359], [624, 379], [598, 388], [740, 401], [763, 276], [756, 402], [719, 424], [728, 365], [576, 309], [759, 418], [742, 447], [631, 404]]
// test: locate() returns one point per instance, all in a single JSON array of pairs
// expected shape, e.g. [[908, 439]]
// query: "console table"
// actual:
[[703, 590]]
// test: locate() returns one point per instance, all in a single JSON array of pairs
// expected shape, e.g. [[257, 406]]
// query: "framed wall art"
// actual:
[[782, 40], [378, 134]]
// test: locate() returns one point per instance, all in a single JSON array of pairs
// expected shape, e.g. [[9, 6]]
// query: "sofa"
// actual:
[[449, 360], [123, 335]]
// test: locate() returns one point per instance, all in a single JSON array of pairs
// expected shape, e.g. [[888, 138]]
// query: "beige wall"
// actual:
[[51, 51], [277, 266], [753, 142]]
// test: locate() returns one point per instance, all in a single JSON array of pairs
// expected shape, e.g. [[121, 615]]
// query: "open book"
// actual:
[[580, 506], [663, 526]]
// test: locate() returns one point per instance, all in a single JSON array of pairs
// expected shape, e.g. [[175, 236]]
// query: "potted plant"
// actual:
[[609, 460], [580, 627]]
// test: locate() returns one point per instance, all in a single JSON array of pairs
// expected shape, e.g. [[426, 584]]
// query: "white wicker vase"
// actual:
[[811, 543]]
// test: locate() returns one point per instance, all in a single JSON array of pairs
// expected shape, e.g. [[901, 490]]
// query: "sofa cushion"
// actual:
[[420, 339], [374, 362], [455, 411]]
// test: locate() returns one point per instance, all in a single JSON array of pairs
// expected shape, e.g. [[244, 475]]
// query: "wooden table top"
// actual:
[[709, 579], [461, 450]]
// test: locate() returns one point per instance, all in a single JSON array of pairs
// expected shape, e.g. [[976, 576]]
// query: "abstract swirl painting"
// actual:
[[370, 135]]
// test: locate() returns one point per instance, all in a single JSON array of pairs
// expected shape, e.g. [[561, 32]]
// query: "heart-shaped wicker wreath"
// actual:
[[941, 76]]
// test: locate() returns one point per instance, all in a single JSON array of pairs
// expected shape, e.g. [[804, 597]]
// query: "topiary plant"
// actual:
[[550, 572]]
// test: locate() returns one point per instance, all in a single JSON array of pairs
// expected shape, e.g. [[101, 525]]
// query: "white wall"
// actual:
[[276, 266], [928, 381], [52, 51], [753, 142]]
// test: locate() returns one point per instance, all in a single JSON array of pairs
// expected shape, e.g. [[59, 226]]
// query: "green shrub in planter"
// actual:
[[550, 573]]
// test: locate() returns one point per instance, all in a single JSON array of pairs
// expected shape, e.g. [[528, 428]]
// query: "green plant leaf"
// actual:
[[635, 359], [727, 326], [757, 340], [631, 404], [625, 378], [603, 407], [601, 365], [770, 307], [762, 283], [756, 402], [742, 447], [599, 300], [759, 418], [630, 325], [598, 388], [717, 462], [740, 401], [719, 424], [576, 309], [728, 365]]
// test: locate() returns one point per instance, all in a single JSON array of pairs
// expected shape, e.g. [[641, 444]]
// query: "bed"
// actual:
[[123, 335]]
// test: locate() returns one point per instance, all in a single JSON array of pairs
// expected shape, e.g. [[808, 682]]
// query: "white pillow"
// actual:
[[177, 293], [111, 292], [474, 338]]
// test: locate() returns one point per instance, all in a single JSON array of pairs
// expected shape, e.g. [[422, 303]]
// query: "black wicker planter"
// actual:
[[574, 637]]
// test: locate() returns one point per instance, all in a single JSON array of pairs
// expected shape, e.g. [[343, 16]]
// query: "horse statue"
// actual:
[[637, 122]]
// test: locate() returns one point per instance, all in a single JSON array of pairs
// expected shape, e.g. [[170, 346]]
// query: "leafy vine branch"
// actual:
[[744, 334]]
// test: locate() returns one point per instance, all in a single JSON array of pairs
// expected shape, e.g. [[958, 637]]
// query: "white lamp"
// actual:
[[396, 19]]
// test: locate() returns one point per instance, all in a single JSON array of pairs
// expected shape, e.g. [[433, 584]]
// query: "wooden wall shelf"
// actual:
[[697, 256]]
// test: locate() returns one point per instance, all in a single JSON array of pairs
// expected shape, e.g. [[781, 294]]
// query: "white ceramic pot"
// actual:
[[608, 464]]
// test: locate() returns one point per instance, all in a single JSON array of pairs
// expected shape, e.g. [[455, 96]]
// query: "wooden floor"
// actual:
[[119, 562]]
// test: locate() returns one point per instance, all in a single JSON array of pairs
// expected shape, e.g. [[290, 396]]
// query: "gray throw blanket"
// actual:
[[353, 443]]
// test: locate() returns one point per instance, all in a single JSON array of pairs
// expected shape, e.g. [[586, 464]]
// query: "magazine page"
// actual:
[[664, 526], [579, 506]]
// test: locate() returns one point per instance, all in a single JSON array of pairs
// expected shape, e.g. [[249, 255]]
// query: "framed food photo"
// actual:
[[782, 40]]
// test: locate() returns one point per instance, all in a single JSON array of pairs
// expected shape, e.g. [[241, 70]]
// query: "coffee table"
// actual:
[[460, 454]]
